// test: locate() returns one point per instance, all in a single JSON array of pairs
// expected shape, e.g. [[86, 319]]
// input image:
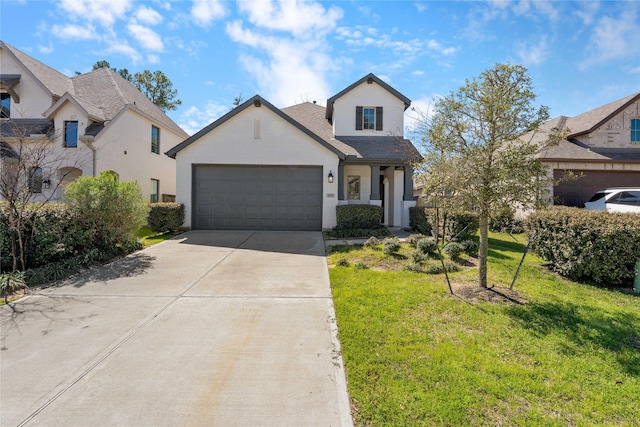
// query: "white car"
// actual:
[[615, 200]]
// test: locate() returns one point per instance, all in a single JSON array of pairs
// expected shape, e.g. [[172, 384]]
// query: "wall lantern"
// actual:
[[330, 177], [46, 184]]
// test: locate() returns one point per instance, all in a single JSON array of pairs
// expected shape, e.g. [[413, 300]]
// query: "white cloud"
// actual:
[[614, 38], [587, 10], [75, 32], [194, 119], [148, 16], [533, 53], [416, 117], [104, 11], [148, 38], [45, 49], [302, 19], [204, 12], [291, 59], [124, 49]]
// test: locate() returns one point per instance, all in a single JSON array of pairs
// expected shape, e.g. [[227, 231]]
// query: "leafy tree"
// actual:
[[480, 145], [111, 209], [155, 85], [237, 101]]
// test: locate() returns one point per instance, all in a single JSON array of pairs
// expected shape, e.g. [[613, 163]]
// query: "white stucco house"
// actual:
[[87, 124], [260, 167]]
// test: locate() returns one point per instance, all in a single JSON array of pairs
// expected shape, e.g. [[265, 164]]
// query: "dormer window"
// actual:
[[368, 118], [5, 106]]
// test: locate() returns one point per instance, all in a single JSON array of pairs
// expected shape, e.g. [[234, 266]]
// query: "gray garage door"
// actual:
[[576, 192], [257, 197]]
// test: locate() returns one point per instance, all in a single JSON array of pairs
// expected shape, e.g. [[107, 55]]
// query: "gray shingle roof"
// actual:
[[102, 93], [366, 148]]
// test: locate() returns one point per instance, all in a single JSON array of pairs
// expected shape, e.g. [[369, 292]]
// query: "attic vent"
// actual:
[[257, 103], [370, 80]]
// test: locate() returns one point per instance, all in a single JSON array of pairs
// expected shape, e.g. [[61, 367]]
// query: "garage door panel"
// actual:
[[577, 192], [257, 197]]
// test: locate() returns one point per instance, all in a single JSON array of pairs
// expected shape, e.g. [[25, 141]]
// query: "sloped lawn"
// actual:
[[553, 353]]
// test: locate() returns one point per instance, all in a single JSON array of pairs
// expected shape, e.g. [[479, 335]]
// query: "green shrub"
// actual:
[[11, 282], [413, 239], [414, 267], [436, 268], [51, 233], [342, 262], [165, 217], [112, 210], [417, 256], [502, 218], [596, 247], [419, 220], [371, 242], [427, 246], [360, 265], [453, 249], [358, 217], [470, 247], [461, 226], [390, 245], [358, 232]]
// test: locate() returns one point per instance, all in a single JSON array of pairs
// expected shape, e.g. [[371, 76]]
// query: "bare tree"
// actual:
[[33, 167]]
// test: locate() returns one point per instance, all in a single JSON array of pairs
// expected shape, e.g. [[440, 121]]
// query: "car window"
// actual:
[[599, 195], [626, 198]]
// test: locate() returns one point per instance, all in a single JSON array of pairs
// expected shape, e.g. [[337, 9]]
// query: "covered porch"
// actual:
[[385, 184]]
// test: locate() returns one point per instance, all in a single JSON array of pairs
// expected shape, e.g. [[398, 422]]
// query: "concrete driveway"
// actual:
[[211, 328]]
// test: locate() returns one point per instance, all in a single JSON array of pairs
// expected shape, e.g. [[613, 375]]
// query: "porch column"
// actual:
[[340, 182], [375, 183], [408, 183]]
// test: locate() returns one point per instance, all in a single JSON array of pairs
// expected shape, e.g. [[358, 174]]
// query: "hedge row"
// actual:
[[595, 247], [458, 227], [165, 217]]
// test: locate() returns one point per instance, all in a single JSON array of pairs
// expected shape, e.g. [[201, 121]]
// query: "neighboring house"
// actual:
[[259, 167], [89, 123], [602, 146]]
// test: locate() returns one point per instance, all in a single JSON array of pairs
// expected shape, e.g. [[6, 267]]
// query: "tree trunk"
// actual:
[[483, 250]]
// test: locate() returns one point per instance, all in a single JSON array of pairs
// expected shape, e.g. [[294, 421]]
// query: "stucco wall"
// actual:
[[124, 146], [34, 100], [368, 95], [615, 133], [257, 136]]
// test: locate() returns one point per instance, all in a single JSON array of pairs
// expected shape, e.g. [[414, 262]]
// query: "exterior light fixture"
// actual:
[[330, 177]]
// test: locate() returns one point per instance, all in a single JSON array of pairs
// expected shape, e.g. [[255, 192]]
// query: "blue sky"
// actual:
[[580, 55]]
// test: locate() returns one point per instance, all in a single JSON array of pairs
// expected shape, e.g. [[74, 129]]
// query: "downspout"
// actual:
[[88, 141]]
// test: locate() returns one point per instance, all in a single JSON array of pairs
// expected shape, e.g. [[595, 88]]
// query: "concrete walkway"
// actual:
[[207, 329]]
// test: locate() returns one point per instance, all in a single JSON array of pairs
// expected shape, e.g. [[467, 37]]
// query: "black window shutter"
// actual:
[[359, 118], [378, 118]]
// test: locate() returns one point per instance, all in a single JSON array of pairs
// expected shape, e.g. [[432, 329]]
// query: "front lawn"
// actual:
[[149, 237], [554, 353]]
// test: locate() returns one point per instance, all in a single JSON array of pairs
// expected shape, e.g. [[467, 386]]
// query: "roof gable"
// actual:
[[369, 79], [256, 101], [591, 120], [52, 81]]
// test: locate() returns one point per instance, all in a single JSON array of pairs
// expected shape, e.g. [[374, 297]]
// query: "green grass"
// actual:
[[416, 355], [150, 237]]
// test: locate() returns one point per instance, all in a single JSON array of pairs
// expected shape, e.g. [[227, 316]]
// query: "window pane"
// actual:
[[635, 130], [5, 106], [71, 134], [155, 190], [353, 187], [35, 180], [155, 140], [369, 118]]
